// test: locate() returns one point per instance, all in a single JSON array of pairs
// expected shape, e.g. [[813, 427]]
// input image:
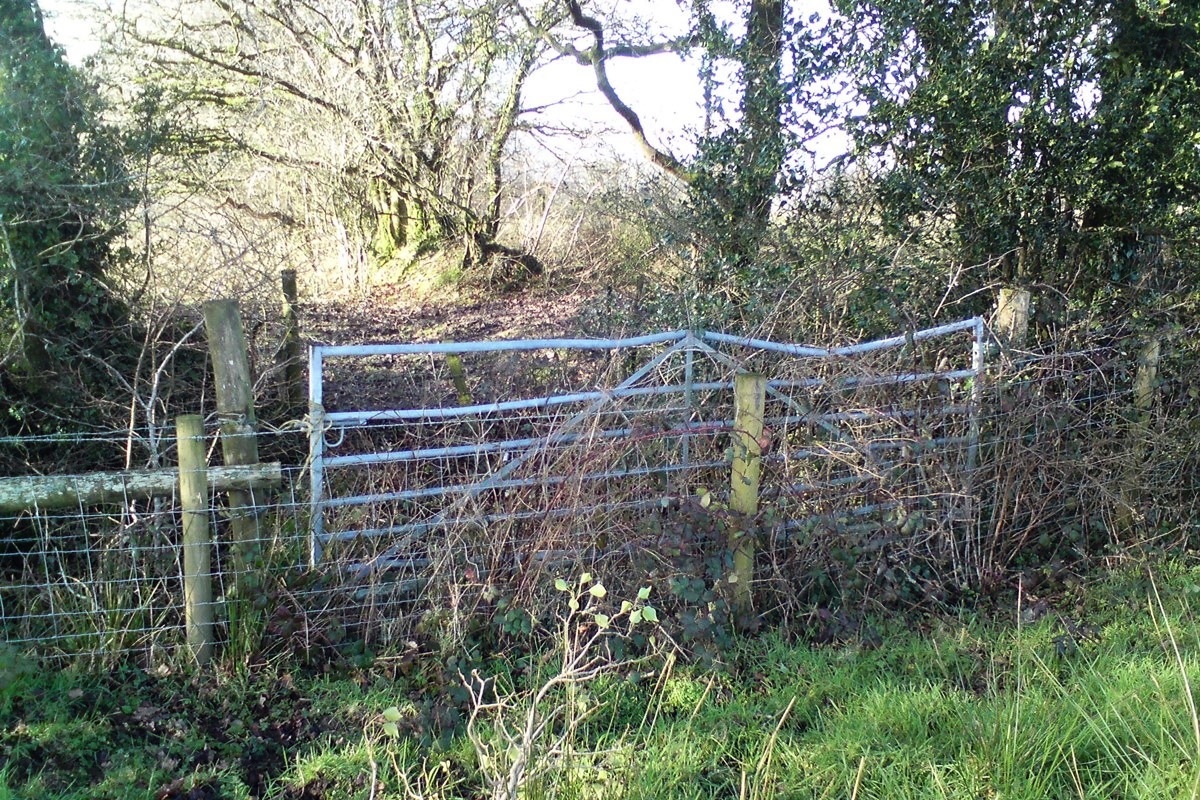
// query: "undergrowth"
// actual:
[[1090, 697]]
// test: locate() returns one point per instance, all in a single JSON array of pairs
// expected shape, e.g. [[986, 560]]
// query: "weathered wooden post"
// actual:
[[750, 399], [235, 407], [1012, 316], [1144, 381], [290, 357], [197, 542], [73, 491]]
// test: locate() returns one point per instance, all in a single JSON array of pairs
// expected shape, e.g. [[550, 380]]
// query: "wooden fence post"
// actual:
[[235, 406], [197, 543], [1143, 400], [750, 397], [1146, 377], [290, 358], [1012, 316]]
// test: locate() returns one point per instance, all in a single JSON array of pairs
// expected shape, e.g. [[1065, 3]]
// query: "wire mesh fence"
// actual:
[[447, 491], [485, 503], [103, 578]]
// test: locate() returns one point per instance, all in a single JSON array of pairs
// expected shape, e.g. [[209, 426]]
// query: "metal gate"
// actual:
[[470, 458]]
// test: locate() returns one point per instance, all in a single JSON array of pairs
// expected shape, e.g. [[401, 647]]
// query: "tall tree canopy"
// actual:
[[402, 108], [1054, 141]]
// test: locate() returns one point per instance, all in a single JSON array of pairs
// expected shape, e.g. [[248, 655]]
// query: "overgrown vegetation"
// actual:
[[1048, 146], [62, 195], [1084, 692]]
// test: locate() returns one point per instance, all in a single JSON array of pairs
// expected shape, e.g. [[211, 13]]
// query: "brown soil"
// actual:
[[388, 314], [393, 315]]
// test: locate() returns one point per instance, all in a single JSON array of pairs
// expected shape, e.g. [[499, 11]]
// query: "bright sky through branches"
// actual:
[[72, 26], [665, 90]]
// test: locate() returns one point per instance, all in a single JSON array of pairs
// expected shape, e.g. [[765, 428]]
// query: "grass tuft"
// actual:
[[1098, 703]]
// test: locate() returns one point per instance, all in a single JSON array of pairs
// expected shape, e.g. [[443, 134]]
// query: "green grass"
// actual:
[[1100, 708]]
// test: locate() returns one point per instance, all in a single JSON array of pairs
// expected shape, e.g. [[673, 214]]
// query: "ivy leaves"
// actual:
[[1037, 130]]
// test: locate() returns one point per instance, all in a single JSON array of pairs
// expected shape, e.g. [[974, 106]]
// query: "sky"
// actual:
[[69, 26], [663, 89]]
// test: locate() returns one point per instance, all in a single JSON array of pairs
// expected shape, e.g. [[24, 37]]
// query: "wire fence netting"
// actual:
[[499, 492], [436, 494], [105, 579]]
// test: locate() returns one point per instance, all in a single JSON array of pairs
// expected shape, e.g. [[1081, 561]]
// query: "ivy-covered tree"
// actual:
[[758, 60], [60, 191], [737, 175], [1055, 137], [1142, 202]]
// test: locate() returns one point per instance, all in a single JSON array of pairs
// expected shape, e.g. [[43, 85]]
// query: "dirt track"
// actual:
[[389, 316]]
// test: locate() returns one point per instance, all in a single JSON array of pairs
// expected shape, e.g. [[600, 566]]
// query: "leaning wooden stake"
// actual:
[[235, 406], [197, 543], [459, 376], [289, 355], [750, 395]]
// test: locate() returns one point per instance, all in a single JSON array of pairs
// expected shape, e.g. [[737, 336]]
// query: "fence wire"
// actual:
[[479, 490], [890, 476], [105, 580]]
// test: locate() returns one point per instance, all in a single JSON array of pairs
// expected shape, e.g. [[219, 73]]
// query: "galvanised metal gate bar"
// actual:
[[319, 420], [459, 473]]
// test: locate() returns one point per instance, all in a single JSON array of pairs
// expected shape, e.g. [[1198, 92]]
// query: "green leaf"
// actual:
[[392, 714], [585, 578], [598, 590], [650, 614], [635, 617], [573, 604], [561, 585], [626, 606], [391, 729], [602, 620], [644, 593]]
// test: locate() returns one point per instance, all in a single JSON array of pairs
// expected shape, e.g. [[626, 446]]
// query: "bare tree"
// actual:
[[395, 112]]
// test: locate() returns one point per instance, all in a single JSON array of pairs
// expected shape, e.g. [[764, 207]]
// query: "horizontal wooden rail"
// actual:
[[69, 491]]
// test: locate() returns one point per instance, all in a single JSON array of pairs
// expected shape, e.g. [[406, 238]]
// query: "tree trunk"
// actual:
[[761, 106], [391, 220]]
